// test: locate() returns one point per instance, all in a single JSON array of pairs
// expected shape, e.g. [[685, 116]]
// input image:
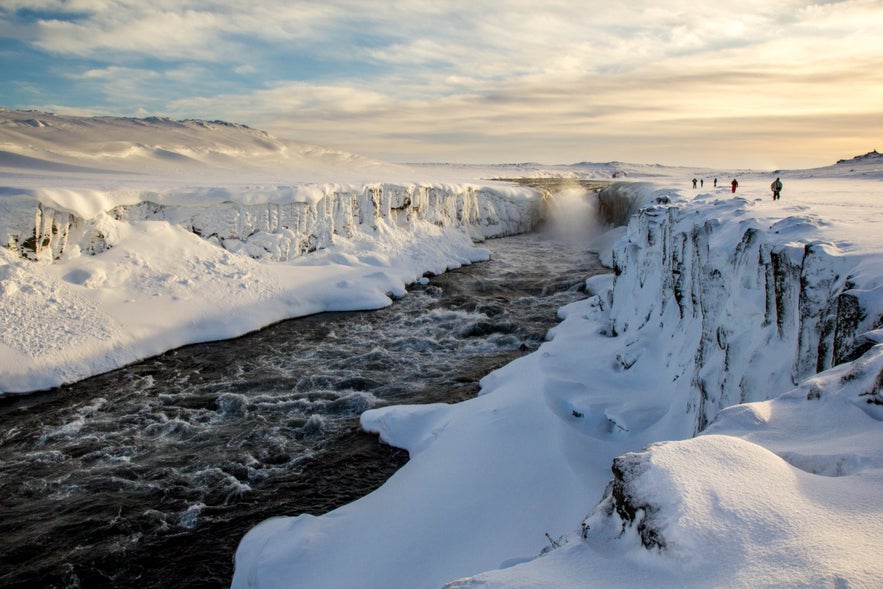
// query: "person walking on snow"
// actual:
[[734, 184], [776, 187], [694, 182], [715, 182]]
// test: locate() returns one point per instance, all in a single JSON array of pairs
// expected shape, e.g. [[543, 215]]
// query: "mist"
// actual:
[[572, 216]]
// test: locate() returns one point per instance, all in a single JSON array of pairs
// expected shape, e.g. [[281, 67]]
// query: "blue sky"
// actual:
[[731, 84]]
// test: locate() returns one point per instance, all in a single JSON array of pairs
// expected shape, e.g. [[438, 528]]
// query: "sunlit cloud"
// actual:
[[488, 81]]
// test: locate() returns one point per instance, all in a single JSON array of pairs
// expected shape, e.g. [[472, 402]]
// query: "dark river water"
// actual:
[[150, 475]]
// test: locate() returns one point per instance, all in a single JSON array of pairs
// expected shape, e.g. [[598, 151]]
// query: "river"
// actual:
[[149, 476]]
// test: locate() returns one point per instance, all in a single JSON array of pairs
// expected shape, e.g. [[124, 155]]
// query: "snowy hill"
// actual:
[[860, 166], [872, 158], [155, 146]]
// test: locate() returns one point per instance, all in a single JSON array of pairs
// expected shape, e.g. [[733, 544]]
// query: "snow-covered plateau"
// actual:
[[709, 417]]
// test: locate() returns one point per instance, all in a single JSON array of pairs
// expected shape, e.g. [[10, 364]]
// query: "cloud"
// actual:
[[470, 77], [113, 73], [164, 35], [245, 69], [132, 91], [171, 30], [488, 40]]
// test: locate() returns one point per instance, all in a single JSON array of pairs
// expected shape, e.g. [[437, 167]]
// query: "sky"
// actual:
[[757, 84]]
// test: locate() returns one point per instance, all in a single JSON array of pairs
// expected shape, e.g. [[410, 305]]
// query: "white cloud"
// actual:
[[540, 77], [175, 30], [113, 73], [486, 39], [165, 35], [245, 69]]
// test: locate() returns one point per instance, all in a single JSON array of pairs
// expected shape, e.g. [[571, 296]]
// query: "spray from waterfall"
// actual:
[[572, 215]]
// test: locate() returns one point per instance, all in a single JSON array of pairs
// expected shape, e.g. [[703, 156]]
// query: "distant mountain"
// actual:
[[35, 142], [873, 156]]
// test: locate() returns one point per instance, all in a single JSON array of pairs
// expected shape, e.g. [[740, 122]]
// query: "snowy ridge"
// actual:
[[715, 302], [40, 142]]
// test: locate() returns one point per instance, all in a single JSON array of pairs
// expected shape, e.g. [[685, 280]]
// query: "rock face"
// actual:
[[760, 313], [618, 202], [274, 230], [632, 509]]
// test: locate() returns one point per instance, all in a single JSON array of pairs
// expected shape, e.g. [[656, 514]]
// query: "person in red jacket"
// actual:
[[734, 184]]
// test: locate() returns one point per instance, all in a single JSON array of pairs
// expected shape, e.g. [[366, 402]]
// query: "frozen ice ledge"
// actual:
[[276, 223], [97, 279]]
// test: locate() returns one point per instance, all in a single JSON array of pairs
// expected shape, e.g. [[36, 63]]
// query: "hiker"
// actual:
[[734, 184], [701, 182], [715, 182], [776, 187], [694, 182]]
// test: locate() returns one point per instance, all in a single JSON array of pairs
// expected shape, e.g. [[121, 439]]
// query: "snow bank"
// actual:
[[716, 301], [774, 493], [124, 238], [86, 295]]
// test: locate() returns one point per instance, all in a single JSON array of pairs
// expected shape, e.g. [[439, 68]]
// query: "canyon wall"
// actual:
[[741, 312], [274, 230]]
